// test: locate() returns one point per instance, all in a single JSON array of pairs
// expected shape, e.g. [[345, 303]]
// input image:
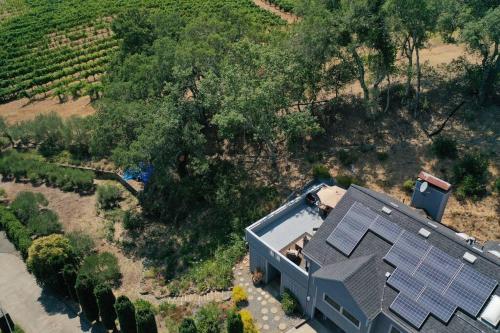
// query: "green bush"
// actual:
[[84, 286], [345, 181], [471, 175], [16, 232], [125, 311], [382, 156], [45, 223], [321, 171], [496, 185], [209, 319], [146, 322], [105, 303], [408, 185], [132, 220], [83, 245], [444, 147], [27, 205], [108, 196], [346, 157], [234, 324], [69, 274], [289, 303], [103, 267], [188, 326]]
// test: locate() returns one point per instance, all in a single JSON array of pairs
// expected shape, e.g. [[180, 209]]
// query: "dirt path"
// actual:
[[20, 110], [288, 17]]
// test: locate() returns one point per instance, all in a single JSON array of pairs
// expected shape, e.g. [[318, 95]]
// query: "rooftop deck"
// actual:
[[287, 226]]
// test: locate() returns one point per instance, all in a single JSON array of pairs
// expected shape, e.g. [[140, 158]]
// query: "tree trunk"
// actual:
[[361, 74], [419, 77], [408, 51], [490, 72], [388, 101]]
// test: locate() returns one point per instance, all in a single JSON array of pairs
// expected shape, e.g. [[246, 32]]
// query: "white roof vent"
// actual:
[[491, 313], [387, 275], [424, 232], [386, 210], [469, 257], [495, 253]]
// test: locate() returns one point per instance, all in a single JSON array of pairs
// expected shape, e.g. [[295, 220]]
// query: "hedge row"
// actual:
[[284, 5], [16, 232], [21, 167]]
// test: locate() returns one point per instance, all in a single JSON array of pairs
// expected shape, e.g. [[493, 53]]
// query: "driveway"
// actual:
[[34, 309]]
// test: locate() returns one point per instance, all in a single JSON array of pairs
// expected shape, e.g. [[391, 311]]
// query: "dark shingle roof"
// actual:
[[356, 275], [372, 245]]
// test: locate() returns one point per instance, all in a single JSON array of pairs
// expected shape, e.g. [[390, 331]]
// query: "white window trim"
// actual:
[[341, 314]]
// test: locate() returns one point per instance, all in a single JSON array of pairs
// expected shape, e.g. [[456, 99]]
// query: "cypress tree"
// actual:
[[69, 276], [146, 322], [85, 292], [188, 326], [126, 315], [106, 304], [234, 322]]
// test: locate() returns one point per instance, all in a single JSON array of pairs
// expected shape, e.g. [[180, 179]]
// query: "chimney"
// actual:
[[431, 194]]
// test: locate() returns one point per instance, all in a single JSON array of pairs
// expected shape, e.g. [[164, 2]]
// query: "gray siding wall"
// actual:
[[292, 276], [340, 295]]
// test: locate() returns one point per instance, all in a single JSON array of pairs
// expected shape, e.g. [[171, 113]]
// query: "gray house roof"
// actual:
[[376, 304], [356, 274]]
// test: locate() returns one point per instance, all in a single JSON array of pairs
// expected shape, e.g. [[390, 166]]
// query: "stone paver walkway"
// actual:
[[263, 303]]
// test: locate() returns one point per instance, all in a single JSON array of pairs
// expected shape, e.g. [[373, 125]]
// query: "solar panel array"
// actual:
[[429, 280]]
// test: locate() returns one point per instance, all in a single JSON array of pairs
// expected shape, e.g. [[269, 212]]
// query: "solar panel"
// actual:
[[407, 252], [349, 231], [470, 290], [437, 269], [386, 229], [438, 305], [405, 283], [409, 309], [362, 214]]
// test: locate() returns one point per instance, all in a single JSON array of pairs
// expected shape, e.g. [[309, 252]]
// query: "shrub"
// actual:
[[83, 245], [16, 232], [69, 273], [142, 304], [471, 174], [108, 196], [408, 185], [146, 322], [209, 319], [125, 311], [188, 326], [346, 157], [103, 267], [105, 303], [28, 204], [257, 276], [234, 323], [289, 303], [496, 185], [239, 295], [444, 147], [84, 286], [47, 257], [382, 156], [321, 171], [345, 181], [248, 323], [132, 220], [45, 223]]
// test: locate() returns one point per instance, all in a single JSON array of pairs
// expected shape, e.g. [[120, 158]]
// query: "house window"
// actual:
[[394, 330], [331, 302], [350, 317]]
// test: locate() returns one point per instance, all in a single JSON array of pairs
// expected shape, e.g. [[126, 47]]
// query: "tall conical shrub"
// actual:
[[146, 322], [85, 292], [69, 276], [106, 304], [125, 311]]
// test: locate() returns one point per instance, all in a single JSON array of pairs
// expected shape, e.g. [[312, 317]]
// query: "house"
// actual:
[[374, 264]]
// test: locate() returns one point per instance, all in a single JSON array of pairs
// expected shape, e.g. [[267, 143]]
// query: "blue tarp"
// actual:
[[142, 174]]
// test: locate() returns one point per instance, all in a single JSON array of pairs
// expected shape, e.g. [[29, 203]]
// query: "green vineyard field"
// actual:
[[48, 45]]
